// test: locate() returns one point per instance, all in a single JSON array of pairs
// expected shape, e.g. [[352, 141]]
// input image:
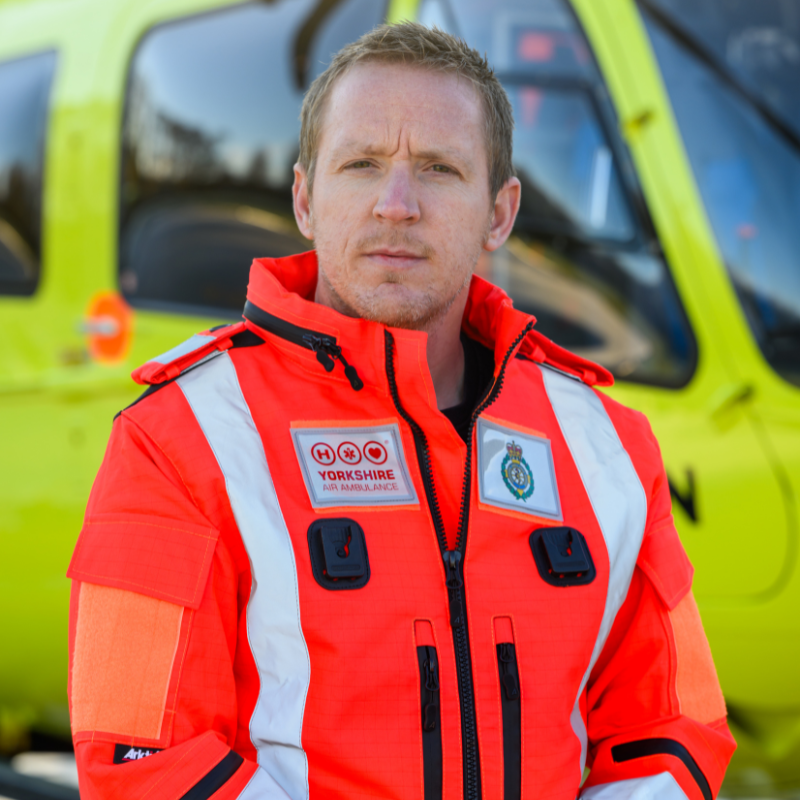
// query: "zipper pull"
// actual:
[[510, 685], [321, 347], [350, 372], [326, 351], [430, 712], [508, 679], [452, 563], [431, 681]]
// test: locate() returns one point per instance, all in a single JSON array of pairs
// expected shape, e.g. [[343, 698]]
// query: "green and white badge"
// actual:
[[515, 470]]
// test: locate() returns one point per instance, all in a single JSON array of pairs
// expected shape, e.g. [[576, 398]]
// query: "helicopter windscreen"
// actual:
[[731, 70]]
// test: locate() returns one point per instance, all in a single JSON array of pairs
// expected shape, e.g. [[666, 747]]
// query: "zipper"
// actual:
[[325, 347], [489, 397], [453, 559], [511, 706], [431, 721]]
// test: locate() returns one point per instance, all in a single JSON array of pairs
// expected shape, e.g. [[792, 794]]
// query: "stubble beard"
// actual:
[[423, 313]]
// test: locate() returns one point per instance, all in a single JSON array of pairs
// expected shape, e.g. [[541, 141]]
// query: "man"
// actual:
[[382, 538]]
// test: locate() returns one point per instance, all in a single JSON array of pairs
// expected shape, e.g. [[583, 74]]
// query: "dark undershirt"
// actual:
[[478, 374]]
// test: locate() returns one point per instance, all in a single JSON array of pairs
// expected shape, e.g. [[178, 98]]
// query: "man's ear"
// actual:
[[506, 206], [302, 201]]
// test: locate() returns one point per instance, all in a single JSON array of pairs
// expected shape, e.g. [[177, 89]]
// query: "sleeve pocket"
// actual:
[[162, 558], [664, 561]]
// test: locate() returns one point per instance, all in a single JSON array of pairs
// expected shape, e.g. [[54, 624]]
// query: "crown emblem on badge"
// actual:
[[517, 475], [514, 451]]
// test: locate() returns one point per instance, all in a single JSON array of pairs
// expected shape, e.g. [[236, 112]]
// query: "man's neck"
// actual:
[[446, 357], [445, 353]]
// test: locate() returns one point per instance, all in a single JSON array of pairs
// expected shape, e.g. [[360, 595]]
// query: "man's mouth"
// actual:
[[394, 256]]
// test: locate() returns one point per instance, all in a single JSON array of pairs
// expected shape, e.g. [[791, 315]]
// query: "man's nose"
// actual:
[[397, 200]]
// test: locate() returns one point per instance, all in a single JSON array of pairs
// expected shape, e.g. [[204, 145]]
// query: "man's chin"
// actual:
[[398, 316], [392, 304], [396, 307]]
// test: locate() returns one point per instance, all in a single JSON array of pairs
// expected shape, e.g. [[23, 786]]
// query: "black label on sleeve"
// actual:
[[123, 753]]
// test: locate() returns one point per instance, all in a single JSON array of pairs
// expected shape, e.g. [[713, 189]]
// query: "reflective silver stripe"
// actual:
[[184, 348], [655, 787], [273, 611], [262, 787], [616, 495]]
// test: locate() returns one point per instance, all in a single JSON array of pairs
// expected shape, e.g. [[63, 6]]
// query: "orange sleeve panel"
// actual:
[[698, 690], [111, 654], [152, 639], [654, 702]]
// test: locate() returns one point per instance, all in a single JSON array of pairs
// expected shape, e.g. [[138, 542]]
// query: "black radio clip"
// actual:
[[562, 556], [338, 552]]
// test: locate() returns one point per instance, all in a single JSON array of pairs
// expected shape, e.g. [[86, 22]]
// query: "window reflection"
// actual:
[[748, 174], [618, 309], [757, 44], [210, 138], [565, 164], [24, 92], [518, 36]]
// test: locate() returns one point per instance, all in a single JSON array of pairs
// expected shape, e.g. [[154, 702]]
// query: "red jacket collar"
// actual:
[[285, 287]]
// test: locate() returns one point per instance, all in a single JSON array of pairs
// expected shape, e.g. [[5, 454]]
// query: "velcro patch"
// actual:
[[120, 669], [361, 466], [515, 471], [123, 753]]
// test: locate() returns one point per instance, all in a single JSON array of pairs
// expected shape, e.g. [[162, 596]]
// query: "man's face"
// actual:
[[401, 207]]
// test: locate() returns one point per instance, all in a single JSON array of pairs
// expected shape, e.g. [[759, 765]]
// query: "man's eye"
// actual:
[[359, 165], [441, 168]]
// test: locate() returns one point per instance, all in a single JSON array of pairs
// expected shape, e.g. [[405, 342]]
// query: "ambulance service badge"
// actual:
[[507, 480], [517, 475]]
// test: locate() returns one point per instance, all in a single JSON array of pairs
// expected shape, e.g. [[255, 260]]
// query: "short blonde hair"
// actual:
[[415, 45]]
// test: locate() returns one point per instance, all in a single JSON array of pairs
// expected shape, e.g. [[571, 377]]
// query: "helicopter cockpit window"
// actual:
[[24, 95], [731, 70], [570, 180], [537, 37], [209, 142], [583, 257]]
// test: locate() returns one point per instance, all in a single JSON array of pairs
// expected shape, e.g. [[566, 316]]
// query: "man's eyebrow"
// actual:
[[444, 154], [348, 149]]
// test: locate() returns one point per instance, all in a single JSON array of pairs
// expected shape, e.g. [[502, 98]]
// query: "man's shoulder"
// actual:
[[538, 349], [198, 350], [563, 365], [638, 439], [193, 352]]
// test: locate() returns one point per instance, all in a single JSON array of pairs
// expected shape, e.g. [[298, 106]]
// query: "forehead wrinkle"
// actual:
[[401, 126], [426, 152]]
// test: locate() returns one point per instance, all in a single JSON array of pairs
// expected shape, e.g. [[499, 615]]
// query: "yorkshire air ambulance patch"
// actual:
[[516, 471], [359, 466]]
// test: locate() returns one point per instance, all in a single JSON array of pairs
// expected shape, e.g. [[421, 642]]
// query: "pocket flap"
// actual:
[[163, 558], [664, 561]]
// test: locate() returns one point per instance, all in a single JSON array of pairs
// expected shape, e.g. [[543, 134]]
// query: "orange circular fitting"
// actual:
[[108, 325]]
